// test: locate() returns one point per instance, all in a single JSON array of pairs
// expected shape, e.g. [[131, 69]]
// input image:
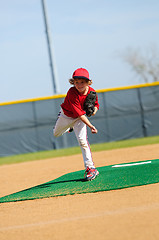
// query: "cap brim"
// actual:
[[76, 77]]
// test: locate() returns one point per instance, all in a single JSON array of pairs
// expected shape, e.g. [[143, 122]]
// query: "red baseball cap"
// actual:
[[81, 73]]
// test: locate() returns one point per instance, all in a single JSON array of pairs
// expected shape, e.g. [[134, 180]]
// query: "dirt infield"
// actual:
[[131, 213]]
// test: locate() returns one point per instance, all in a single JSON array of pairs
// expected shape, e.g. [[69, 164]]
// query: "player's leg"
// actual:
[[80, 130], [63, 124]]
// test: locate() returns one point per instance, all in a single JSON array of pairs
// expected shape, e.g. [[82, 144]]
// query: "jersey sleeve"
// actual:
[[96, 102]]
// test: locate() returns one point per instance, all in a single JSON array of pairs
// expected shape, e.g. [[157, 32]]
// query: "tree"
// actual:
[[144, 64]]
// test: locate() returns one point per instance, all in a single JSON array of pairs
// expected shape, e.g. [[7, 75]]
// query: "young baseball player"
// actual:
[[72, 116]]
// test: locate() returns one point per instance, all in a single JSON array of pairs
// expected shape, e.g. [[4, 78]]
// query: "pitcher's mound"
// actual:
[[110, 178]]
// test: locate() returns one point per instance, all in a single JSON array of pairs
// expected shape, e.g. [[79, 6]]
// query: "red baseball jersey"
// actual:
[[73, 103]]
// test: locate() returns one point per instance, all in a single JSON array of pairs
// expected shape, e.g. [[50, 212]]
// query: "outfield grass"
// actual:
[[75, 150]]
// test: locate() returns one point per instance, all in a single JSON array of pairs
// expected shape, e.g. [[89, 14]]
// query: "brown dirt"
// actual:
[[129, 214]]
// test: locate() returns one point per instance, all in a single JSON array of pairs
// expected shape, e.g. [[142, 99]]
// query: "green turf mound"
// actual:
[[110, 178]]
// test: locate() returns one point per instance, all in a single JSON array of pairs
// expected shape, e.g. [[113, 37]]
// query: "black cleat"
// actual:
[[70, 130]]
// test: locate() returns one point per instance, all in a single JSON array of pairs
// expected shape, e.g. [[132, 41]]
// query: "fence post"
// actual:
[[36, 125], [142, 112]]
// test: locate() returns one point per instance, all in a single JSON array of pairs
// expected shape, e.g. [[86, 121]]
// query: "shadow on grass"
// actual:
[[48, 185]]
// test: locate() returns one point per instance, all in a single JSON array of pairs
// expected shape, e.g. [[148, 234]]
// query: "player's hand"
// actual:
[[94, 130]]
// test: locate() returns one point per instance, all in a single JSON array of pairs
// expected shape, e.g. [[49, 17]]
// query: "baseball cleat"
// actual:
[[70, 130], [91, 174]]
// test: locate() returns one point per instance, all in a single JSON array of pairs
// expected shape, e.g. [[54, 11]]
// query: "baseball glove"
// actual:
[[89, 103]]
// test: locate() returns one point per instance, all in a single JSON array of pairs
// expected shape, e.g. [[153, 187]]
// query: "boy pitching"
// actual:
[[72, 116]]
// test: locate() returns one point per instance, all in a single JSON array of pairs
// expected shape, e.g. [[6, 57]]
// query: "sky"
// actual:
[[93, 34]]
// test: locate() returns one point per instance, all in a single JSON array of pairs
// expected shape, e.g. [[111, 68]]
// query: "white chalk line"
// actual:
[[154, 206], [131, 164]]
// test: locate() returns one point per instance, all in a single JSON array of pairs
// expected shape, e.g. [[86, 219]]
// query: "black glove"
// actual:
[[89, 103]]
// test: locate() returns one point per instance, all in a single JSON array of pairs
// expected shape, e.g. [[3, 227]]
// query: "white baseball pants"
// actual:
[[64, 123]]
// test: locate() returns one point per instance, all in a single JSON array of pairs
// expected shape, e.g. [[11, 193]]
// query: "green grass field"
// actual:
[[76, 150]]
